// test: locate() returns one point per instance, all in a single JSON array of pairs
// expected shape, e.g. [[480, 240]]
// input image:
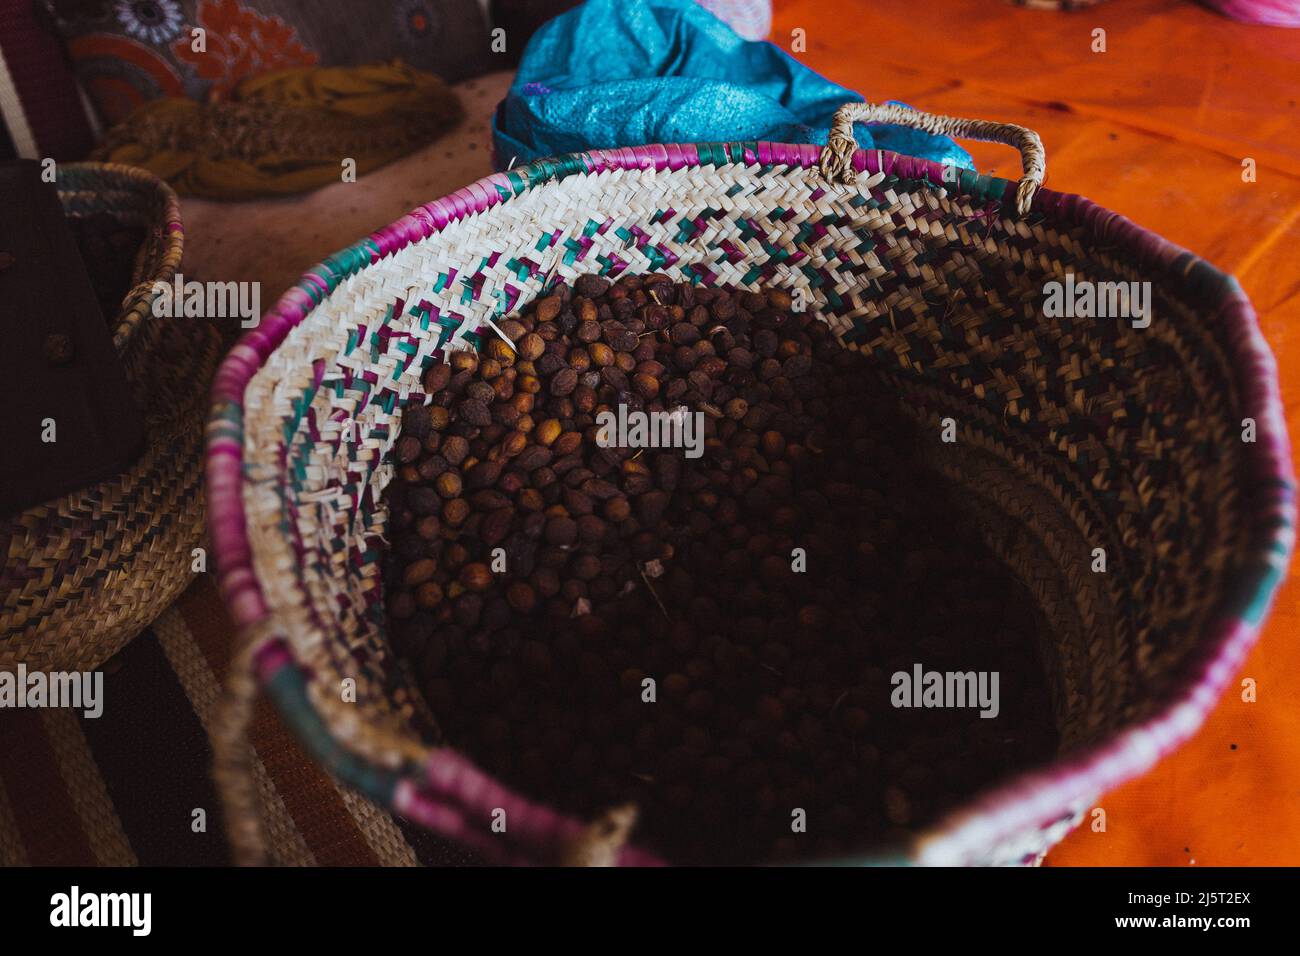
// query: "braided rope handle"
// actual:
[[837, 156]]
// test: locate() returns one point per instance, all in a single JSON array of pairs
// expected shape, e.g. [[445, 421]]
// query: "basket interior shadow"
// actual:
[[1072, 434]]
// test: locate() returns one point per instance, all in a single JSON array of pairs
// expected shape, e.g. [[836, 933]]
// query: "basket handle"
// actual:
[[837, 156]]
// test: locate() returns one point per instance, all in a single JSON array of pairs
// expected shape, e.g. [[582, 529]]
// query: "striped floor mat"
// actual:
[[123, 789]]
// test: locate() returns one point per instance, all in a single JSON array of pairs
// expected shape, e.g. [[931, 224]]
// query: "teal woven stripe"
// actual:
[[288, 688]]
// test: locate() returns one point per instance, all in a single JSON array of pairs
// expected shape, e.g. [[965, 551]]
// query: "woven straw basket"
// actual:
[[84, 573], [1072, 435]]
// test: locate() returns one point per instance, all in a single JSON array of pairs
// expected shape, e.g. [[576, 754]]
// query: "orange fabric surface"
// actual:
[[1155, 128]]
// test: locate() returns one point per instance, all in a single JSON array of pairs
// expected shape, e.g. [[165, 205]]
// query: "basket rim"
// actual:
[[137, 304], [1032, 797]]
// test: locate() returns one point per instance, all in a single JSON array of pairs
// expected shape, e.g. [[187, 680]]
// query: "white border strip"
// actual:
[[11, 110]]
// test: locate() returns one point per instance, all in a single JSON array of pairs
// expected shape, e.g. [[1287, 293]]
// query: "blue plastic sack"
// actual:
[[631, 72]]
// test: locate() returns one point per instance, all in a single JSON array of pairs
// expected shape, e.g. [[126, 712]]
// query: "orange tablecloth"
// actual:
[[1156, 128]]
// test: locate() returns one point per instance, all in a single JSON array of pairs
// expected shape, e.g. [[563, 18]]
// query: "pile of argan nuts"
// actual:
[[709, 638]]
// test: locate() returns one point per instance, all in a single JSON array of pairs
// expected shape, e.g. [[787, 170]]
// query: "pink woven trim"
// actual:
[[1034, 798], [459, 801]]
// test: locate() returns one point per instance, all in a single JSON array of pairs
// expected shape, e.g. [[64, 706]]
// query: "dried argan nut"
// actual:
[[521, 597], [584, 399], [548, 308], [548, 431], [650, 507], [637, 484], [614, 377], [496, 526], [436, 377], [423, 501], [546, 581], [567, 444], [513, 444], [565, 463], [463, 360], [439, 417], [780, 300], [530, 347], [601, 354], [417, 572], [501, 351], [646, 385], [586, 567], [564, 382], [408, 448], [623, 341], [483, 475], [534, 457], [579, 360], [455, 511], [428, 594], [476, 577], [617, 509], [561, 530], [599, 489], [577, 503], [591, 286], [454, 449], [448, 484], [773, 443], [711, 365], [474, 412], [591, 528]]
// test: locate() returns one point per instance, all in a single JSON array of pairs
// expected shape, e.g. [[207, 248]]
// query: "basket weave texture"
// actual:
[[84, 573], [1073, 434]]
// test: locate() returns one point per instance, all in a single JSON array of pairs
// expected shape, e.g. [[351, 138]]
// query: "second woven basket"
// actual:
[[84, 573]]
